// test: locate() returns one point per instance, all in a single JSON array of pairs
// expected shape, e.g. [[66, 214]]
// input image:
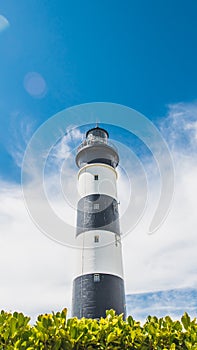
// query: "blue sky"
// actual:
[[55, 55], [137, 53]]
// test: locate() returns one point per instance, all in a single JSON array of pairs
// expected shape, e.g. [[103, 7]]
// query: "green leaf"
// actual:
[[188, 344], [12, 327], [110, 313], [57, 345], [185, 319], [130, 321], [64, 313], [111, 337]]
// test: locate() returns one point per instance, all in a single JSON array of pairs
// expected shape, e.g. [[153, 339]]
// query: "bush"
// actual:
[[54, 331]]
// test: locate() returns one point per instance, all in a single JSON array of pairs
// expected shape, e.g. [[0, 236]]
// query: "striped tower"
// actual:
[[99, 285]]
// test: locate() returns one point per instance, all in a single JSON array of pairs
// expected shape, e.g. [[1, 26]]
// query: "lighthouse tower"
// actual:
[[99, 285]]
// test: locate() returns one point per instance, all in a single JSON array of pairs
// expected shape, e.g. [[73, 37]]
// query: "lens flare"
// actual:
[[35, 85]]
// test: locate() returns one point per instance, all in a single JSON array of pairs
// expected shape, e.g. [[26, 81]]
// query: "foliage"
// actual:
[[55, 332]]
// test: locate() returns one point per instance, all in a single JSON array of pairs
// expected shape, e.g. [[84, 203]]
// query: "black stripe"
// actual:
[[102, 161], [97, 211], [93, 294]]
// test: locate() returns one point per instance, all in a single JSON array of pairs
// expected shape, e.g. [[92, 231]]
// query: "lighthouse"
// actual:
[[99, 285]]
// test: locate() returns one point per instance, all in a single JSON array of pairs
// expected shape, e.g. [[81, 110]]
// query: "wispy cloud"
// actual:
[[61, 151], [171, 302], [21, 130], [168, 258], [179, 127], [4, 23]]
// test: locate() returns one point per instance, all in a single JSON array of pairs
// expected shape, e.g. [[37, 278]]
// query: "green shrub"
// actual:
[[55, 332]]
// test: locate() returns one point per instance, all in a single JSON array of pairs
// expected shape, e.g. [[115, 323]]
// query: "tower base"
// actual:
[[95, 293]]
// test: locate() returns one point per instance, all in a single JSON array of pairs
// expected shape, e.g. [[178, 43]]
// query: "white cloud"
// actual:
[[167, 259], [4, 24], [21, 129], [180, 127], [36, 273]]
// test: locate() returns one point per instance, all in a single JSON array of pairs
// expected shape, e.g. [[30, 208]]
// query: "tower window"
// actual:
[[96, 177], [96, 277], [96, 239], [96, 206]]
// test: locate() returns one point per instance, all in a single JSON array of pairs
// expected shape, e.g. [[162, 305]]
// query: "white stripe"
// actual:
[[106, 183], [101, 253]]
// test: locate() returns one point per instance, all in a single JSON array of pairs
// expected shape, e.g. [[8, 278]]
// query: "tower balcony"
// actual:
[[97, 141], [96, 148]]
